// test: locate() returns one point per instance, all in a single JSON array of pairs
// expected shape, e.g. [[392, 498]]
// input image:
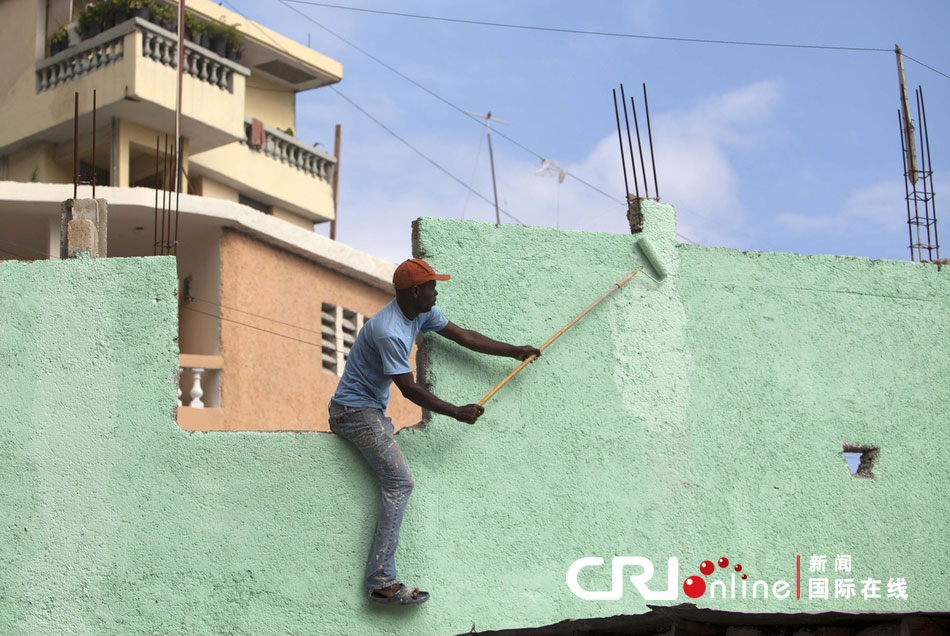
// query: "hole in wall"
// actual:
[[860, 459]]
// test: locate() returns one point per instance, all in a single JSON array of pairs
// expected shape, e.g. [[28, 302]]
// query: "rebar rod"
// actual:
[[933, 195], [633, 164], [646, 107], [636, 126], [924, 184], [623, 162], [910, 232]]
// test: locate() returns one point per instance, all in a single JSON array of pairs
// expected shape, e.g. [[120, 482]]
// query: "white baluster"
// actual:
[[179, 392], [196, 391]]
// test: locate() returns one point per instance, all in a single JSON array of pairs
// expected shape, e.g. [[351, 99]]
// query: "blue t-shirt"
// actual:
[[381, 350]]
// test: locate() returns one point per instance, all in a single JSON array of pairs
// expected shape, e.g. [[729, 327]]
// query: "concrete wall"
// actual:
[[268, 180], [697, 419], [272, 103]]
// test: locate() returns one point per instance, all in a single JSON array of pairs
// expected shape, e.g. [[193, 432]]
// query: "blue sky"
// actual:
[[757, 148]]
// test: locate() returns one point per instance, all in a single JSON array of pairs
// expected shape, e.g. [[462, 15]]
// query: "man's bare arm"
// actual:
[[418, 394], [482, 344]]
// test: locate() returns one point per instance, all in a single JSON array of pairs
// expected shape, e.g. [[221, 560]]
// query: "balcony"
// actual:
[[133, 68], [274, 168], [199, 392]]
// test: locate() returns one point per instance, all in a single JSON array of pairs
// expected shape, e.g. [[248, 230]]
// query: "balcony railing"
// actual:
[[199, 381], [290, 150], [86, 57], [158, 44]]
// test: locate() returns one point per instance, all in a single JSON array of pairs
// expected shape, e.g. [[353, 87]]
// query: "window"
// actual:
[[339, 326]]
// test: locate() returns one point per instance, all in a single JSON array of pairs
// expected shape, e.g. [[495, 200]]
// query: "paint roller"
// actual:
[[652, 259]]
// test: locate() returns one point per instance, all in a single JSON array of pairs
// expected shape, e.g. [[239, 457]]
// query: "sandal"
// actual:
[[403, 596]]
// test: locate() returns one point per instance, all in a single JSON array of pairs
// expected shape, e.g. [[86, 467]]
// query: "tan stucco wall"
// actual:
[[210, 188], [290, 217], [199, 258], [268, 180], [41, 160], [270, 102], [275, 383], [19, 24]]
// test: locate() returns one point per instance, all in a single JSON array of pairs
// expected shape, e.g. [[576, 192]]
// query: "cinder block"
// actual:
[[94, 210], [82, 237]]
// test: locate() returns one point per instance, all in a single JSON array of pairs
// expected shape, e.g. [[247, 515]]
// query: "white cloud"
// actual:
[[386, 185], [878, 208]]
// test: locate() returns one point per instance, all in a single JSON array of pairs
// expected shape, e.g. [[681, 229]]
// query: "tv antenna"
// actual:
[[491, 157]]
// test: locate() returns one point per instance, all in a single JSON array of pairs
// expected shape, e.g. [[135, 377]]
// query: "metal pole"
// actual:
[[633, 164], [158, 139], [179, 142], [93, 143], [164, 190], [646, 107], [336, 178], [491, 158], [76, 148], [168, 229]]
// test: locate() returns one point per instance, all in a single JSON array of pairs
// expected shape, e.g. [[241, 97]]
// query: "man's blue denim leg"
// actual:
[[372, 432]]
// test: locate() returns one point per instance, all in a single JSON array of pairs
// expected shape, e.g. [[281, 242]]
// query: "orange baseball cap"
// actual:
[[414, 272]]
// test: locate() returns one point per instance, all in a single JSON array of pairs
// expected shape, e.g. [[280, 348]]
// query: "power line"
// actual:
[[424, 156], [925, 65], [598, 33], [42, 253], [17, 256], [280, 322], [383, 126], [639, 36], [238, 322], [437, 96]]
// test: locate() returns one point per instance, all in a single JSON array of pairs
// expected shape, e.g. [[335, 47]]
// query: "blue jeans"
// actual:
[[372, 433]]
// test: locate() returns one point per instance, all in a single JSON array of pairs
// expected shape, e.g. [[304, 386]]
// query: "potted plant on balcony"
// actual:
[[87, 22], [164, 16], [194, 28], [139, 8], [120, 11], [217, 33], [59, 41], [105, 11], [233, 43]]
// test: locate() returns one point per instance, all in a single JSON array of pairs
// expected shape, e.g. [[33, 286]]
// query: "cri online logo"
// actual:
[[693, 586]]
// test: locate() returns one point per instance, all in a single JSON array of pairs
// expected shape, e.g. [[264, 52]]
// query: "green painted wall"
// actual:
[[699, 418]]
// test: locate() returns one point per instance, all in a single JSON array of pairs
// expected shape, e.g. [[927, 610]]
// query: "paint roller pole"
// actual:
[[652, 258], [521, 366]]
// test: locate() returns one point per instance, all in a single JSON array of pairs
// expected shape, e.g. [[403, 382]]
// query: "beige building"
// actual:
[[269, 308]]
